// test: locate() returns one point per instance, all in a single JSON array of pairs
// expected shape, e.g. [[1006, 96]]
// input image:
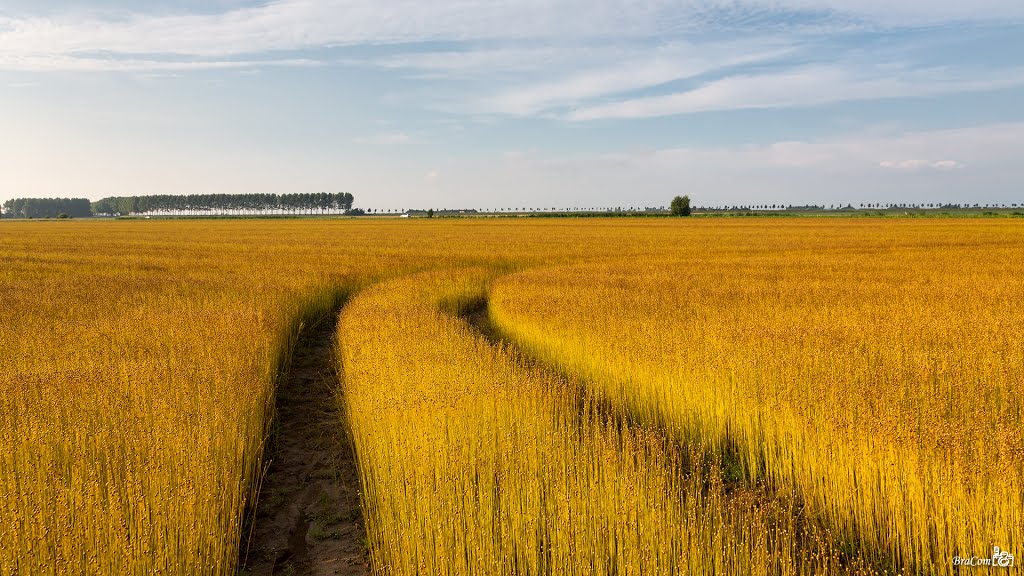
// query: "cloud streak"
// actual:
[[634, 71], [63, 63], [384, 139], [284, 25], [916, 165], [812, 85]]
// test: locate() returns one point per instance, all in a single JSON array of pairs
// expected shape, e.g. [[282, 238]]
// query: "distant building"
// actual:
[[443, 212]]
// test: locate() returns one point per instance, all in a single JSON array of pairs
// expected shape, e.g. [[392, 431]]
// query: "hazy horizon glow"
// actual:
[[498, 104]]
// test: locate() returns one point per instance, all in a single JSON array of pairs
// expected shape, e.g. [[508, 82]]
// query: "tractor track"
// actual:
[[307, 518]]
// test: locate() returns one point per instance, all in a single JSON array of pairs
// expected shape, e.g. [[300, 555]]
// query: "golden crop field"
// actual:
[[875, 378], [790, 396]]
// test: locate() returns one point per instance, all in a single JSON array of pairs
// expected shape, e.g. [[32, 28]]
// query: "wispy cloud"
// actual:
[[915, 165], [384, 138], [473, 60], [804, 86], [68, 63], [284, 25], [300, 24], [635, 70]]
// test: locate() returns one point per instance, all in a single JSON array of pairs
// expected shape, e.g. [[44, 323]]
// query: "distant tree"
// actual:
[[681, 206], [221, 204], [430, 213], [47, 207]]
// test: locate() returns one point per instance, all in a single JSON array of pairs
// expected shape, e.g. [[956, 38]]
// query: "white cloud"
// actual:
[[300, 24], [915, 165], [907, 12], [474, 60], [804, 86], [946, 165], [64, 63], [634, 70], [432, 176], [384, 138]]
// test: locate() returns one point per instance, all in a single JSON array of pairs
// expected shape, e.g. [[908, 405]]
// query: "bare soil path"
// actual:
[[308, 519]]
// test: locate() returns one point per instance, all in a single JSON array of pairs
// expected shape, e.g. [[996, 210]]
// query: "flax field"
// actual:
[[523, 396]]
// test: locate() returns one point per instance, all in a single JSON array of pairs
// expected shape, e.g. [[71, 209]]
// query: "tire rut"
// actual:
[[308, 518], [811, 533]]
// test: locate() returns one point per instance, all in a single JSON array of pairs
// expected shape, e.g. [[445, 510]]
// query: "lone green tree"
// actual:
[[681, 206]]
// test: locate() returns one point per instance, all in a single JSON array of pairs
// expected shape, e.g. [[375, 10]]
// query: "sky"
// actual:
[[516, 103]]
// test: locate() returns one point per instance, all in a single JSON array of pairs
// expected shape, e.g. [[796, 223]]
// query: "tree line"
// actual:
[[47, 208], [185, 205], [192, 204]]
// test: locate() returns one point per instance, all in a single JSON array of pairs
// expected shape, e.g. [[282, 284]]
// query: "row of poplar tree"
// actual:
[[47, 208], [192, 204], [313, 203]]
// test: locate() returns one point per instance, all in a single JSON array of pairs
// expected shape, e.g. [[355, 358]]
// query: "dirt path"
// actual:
[[308, 519]]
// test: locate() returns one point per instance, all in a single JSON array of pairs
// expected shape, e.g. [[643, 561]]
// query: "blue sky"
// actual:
[[516, 103]]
